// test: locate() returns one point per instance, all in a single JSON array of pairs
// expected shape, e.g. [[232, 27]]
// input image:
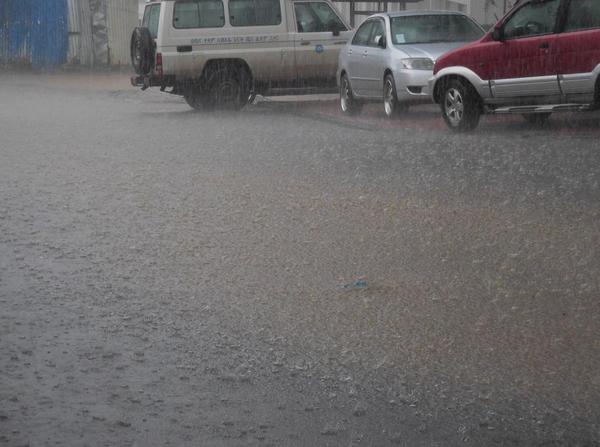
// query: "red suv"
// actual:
[[542, 57]]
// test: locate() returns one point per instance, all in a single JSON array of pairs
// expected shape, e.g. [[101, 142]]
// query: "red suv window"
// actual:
[[533, 19], [583, 14]]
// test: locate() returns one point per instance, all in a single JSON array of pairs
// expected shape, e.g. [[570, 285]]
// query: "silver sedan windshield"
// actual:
[[434, 28]]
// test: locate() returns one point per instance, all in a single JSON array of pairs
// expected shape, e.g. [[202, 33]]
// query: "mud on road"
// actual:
[[176, 278]]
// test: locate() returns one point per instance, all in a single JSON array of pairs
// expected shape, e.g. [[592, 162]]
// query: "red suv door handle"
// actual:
[[545, 46]]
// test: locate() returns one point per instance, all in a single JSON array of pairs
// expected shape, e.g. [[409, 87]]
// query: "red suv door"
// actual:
[[579, 49], [523, 63]]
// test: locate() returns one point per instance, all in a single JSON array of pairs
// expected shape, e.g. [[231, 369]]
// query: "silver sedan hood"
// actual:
[[429, 50]]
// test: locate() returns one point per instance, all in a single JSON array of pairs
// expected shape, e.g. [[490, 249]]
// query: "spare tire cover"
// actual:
[[142, 50]]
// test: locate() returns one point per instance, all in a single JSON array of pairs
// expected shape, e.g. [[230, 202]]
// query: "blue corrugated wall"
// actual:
[[34, 32], [3, 29]]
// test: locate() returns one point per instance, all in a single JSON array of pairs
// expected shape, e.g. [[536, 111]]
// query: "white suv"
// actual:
[[219, 53]]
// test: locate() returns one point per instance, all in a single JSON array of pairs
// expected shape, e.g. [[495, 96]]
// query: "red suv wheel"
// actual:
[[461, 106]]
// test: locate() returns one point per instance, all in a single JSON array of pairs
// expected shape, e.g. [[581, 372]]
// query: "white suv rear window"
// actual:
[[254, 12], [151, 15], [199, 14]]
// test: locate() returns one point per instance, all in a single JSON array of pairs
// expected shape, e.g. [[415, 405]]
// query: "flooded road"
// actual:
[[286, 276]]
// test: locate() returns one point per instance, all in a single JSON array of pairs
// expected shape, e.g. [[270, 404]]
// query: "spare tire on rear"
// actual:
[[142, 50]]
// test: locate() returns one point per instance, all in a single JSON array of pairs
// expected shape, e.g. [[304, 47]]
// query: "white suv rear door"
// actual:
[[319, 37]]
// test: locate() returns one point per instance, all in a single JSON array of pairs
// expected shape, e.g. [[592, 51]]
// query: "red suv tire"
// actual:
[[461, 106]]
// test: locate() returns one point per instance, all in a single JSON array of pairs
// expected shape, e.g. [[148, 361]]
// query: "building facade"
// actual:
[[33, 33], [100, 31], [486, 12]]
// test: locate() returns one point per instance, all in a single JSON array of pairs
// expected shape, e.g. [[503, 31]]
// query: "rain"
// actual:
[[226, 260]]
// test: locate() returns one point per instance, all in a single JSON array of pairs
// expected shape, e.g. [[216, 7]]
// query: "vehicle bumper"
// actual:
[[413, 85], [481, 86], [431, 87], [145, 81]]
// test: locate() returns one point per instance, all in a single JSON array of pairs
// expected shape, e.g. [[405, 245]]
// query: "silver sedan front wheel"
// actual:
[[348, 104], [391, 106]]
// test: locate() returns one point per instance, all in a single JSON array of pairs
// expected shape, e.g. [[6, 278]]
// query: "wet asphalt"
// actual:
[[286, 276]]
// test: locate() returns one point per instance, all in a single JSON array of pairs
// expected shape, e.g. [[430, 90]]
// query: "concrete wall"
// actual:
[[141, 4], [121, 19], [100, 32], [486, 12]]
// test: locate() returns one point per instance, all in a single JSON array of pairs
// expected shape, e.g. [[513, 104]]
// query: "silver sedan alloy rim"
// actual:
[[454, 106], [345, 95], [388, 97]]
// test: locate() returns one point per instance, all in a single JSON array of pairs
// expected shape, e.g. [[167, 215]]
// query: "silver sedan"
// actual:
[[391, 57]]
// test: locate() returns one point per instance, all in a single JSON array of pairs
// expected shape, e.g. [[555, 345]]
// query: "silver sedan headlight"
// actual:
[[417, 63]]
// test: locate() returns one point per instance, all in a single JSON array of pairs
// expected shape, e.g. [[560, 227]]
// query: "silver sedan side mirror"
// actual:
[[380, 41]]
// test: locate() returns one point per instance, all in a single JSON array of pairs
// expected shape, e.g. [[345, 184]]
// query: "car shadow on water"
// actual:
[[428, 117], [582, 125], [425, 117]]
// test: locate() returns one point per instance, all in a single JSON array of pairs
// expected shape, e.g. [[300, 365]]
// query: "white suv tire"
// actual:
[[226, 88]]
